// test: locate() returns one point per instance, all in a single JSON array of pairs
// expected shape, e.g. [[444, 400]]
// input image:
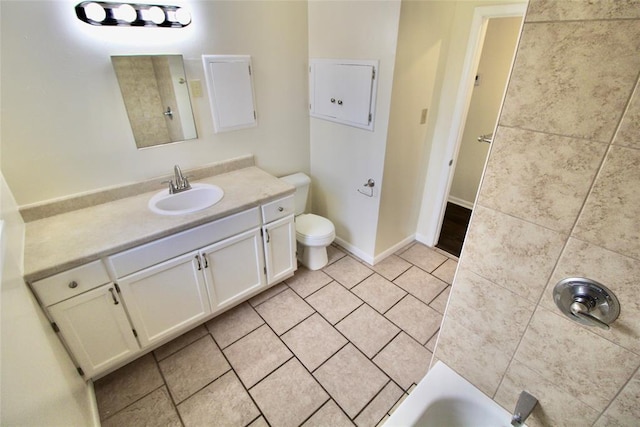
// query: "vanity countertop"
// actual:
[[68, 240]]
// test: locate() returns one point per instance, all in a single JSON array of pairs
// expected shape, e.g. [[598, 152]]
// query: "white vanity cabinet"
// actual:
[[279, 238]]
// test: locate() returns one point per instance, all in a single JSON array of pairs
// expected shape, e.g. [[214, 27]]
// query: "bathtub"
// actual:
[[445, 399]]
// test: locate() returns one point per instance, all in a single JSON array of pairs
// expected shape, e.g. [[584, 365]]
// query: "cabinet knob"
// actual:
[[333, 100], [280, 209], [73, 284], [339, 101]]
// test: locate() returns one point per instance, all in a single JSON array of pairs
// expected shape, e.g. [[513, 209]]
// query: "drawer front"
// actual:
[[127, 262], [71, 282], [278, 209]]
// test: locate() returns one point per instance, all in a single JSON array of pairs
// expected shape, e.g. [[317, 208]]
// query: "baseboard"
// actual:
[[393, 249], [93, 403], [424, 240], [354, 250], [460, 202]]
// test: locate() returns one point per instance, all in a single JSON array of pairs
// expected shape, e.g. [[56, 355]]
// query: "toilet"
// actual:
[[313, 232]]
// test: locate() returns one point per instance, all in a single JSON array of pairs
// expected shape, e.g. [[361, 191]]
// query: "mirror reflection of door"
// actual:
[[492, 74], [156, 96]]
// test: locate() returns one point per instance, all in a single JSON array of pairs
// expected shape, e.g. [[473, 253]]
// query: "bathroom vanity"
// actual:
[[117, 280]]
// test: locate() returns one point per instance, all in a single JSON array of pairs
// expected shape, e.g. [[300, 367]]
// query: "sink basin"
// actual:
[[200, 196]]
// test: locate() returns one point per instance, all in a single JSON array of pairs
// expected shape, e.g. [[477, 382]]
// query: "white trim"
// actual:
[[460, 202], [354, 250], [442, 185], [93, 404], [393, 249]]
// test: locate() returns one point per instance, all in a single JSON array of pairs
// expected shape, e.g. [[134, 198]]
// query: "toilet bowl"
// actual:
[[313, 232]]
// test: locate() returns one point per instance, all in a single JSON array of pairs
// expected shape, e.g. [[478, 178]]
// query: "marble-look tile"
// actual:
[[334, 254], [380, 293], [383, 421], [367, 329], [305, 282], [619, 273], [379, 406], [223, 402], [268, 294], [289, 396], [573, 78], [610, 216], [624, 411], [556, 407], [313, 341], [424, 257], [495, 314], [479, 362], [329, 415], [431, 344], [334, 302], [399, 402], [628, 134], [391, 267], [549, 176], [512, 253], [234, 324], [404, 360], [179, 343], [259, 422], [348, 272], [351, 379], [257, 355], [155, 408], [561, 10], [126, 385], [284, 311], [193, 367], [553, 356], [439, 304], [415, 318], [446, 271], [421, 284]]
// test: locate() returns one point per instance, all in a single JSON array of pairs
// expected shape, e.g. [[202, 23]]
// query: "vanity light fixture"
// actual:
[[132, 14]]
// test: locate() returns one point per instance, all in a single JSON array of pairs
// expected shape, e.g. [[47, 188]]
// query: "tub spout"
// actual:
[[524, 407]]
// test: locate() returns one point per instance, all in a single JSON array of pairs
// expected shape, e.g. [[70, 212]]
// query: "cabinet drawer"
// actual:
[[278, 209], [71, 282]]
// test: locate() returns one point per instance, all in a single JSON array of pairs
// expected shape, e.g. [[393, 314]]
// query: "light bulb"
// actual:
[[183, 16], [155, 15], [125, 12], [95, 12]]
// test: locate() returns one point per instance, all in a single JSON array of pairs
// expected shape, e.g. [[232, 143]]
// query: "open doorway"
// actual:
[[492, 74]]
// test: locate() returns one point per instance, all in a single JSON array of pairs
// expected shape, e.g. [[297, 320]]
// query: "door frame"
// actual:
[[432, 214]]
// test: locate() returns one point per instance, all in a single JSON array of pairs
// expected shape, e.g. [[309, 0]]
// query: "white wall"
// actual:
[[343, 157], [65, 128], [495, 64], [39, 384]]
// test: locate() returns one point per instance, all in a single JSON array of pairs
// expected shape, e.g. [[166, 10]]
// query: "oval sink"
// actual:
[[200, 196]]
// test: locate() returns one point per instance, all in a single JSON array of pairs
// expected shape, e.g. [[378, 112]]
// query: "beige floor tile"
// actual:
[[348, 272], [284, 311], [268, 294], [439, 304], [260, 422], [234, 324], [351, 379], [383, 421], [367, 329], [378, 292], [379, 406], [415, 318], [289, 396], [446, 271], [334, 254], [256, 355], [224, 402], [313, 341], [126, 385], [193, 367], [334, 302], [305, 282], [391, 267], [330, 415], [404, 360], [421, 284], [179, 343], [431, 344], [424, 257], [155, 409], [400, 401]]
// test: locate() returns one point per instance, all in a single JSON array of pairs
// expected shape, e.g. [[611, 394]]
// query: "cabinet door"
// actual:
[[280, 249], [95, 327], [234, 268], [167, 298]]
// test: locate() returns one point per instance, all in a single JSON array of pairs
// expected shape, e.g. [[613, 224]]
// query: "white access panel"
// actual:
[[230, 89], [343, 91]]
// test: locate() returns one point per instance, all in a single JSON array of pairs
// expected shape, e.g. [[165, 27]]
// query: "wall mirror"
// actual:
[[156, 95]]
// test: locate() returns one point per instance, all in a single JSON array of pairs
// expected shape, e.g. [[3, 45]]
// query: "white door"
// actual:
[[233, 268], [95, 327], [280, 249], [166, 299]]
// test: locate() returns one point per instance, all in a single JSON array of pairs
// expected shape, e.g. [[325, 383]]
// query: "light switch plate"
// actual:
[[196, 88]]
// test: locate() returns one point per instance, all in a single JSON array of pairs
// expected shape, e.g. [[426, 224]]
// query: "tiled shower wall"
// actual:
[[560, 198]]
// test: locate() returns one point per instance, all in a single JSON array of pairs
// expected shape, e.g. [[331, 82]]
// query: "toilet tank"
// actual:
[[302, 183]]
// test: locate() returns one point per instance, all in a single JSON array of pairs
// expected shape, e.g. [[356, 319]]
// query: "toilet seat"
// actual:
[[314, 230]]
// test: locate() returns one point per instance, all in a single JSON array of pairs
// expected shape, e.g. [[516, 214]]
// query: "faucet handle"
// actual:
[[172, 187]]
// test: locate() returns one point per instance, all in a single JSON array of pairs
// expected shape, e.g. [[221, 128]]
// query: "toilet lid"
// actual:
[[313, 225]]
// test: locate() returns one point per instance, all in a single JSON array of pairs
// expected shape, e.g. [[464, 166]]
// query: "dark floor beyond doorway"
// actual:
[[454, 228]]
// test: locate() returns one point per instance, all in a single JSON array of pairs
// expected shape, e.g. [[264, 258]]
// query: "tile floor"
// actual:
[[338, 346]]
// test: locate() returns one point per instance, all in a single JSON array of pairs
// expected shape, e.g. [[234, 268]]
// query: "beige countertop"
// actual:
[[68, 240]]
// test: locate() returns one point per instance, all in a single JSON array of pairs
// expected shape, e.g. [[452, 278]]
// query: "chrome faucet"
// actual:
[[524, 407], [181, 182]]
